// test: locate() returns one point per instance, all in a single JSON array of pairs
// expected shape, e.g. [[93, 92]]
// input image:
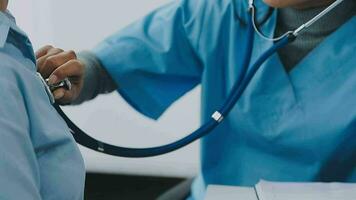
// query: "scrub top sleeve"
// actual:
[[96, 79], [154, 61], [19, 177]]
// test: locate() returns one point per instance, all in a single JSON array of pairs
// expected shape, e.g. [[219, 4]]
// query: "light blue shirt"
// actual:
[[38, 156], [297, 126]]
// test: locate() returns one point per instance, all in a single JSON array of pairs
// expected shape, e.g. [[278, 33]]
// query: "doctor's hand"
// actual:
[[56, 64]]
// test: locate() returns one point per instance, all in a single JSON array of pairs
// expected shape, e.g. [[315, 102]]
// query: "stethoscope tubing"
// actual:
[[237, 90], [243, 80]]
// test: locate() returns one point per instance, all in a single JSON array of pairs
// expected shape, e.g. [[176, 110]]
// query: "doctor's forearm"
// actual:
[[96, 79]]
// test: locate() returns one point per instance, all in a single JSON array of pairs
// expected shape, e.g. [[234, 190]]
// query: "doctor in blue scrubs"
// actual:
[[296, 121], [39, 159]]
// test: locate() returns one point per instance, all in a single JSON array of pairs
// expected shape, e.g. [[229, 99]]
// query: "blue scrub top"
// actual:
[[296, 126], [38, 156]]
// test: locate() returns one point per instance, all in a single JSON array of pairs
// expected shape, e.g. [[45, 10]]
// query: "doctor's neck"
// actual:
[[3, 5], [299, 4]]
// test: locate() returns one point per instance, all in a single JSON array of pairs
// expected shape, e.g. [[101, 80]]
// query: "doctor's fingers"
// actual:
[[64, 97], [43, 51], [73, 69], [52, 60], [43, 54]]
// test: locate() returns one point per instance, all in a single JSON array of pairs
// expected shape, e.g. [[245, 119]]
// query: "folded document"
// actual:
[[266, 190]]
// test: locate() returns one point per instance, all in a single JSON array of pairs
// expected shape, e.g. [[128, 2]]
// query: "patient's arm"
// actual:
[[19, 176]]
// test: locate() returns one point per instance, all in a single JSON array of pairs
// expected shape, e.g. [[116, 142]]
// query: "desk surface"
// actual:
[[217, 192]]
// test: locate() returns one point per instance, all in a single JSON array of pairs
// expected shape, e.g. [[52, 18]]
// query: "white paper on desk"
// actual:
[[305, 191]]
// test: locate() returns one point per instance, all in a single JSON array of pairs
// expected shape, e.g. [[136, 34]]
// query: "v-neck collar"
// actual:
[[319, 64], [327, 57]]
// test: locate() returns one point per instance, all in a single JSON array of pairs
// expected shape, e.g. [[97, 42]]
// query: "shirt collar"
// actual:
[[11, 33], [8, 20]]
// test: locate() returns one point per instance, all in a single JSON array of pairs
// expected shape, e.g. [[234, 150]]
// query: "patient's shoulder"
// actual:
[[11, 58], [15, 73], [9, 63]]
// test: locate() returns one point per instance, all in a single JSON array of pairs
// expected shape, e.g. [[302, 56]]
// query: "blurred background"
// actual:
[[80, 25]]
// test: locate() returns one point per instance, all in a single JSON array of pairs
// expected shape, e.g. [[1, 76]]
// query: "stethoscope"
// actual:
[[218, 116]]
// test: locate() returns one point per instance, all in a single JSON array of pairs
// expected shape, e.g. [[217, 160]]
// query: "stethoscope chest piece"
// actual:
[[66, 84]]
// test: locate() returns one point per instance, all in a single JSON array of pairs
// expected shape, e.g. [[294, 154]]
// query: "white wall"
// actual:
[[80, 24]]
